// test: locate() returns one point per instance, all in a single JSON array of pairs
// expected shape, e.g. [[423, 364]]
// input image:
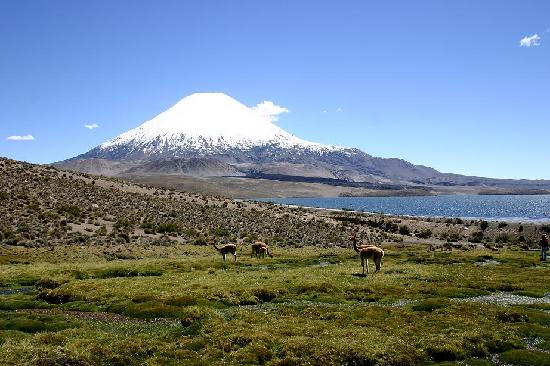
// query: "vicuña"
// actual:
[[260, 249], [228, 248], [366, 252]]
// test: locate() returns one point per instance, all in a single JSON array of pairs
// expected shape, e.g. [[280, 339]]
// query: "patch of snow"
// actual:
[[210, 122]]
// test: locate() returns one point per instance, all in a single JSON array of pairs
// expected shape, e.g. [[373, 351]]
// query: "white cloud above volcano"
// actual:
[[270, 110]]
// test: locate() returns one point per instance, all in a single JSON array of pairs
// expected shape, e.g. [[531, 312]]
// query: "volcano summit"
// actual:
[[202, 124]]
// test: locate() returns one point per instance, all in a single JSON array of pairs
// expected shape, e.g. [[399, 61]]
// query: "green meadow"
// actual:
[[182, 305]]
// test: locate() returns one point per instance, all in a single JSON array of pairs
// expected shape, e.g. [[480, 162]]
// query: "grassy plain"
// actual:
[[180, 304]]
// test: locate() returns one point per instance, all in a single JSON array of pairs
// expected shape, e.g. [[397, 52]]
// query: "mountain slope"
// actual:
[[44, 207]]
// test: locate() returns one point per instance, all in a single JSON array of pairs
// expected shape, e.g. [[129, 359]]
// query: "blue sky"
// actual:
[[445, 84]]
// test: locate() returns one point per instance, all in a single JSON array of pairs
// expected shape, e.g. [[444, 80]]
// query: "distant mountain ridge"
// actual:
[[212, 134]]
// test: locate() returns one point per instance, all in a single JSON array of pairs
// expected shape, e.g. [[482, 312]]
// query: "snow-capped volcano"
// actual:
[[203, 124], [213, 134]]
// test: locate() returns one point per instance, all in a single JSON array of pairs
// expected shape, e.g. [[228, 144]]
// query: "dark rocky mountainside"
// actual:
[[206, 167], [350, 165]]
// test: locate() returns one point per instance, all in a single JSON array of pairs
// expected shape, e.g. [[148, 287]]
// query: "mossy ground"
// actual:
[[182, 305]]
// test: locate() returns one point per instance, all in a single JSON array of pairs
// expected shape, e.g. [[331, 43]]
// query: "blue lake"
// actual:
[[497, 207]]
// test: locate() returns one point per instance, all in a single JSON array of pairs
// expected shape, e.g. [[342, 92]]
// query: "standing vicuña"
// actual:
[[366, 252], [260, 249], [228, 248]]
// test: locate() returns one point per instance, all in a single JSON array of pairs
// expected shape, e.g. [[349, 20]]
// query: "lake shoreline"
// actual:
[[498, 204]]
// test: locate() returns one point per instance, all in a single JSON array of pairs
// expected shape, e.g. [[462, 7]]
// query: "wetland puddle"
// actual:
[[488, 262], [500, 298], [100, 316], [13, 291], [272, 306], [503, 298]]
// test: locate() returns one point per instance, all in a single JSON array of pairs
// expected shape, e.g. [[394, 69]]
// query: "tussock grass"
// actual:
[[303, 306], [34, 323], [525, 358]]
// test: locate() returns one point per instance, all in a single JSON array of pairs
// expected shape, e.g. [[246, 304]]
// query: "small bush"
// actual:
[[221, 231], [52, 297], [69, 210], [149, 227], [451, 237], [124, 223], [512, 317], [501, 239], [124, 237], [424, 234], [404, 230], [169, 227], [391, 227], [264, 295], [445, 352], [200, 240], [483, 225], [476, 237], [8, 233], [48, 283], [192, 319], [102, 231]]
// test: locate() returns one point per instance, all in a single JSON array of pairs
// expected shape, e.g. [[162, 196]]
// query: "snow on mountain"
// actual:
[[206, 124], [234, 139]]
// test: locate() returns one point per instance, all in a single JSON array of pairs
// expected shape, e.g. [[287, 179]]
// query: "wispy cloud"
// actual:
[[20, 138], [270, 110], [91, 126], [339, 110], [530, 41]]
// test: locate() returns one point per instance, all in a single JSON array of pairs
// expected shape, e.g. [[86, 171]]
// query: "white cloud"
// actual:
[[324, 111], [20, 138], [529, 41], [339, 110], [91, 126], [270, 110]]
